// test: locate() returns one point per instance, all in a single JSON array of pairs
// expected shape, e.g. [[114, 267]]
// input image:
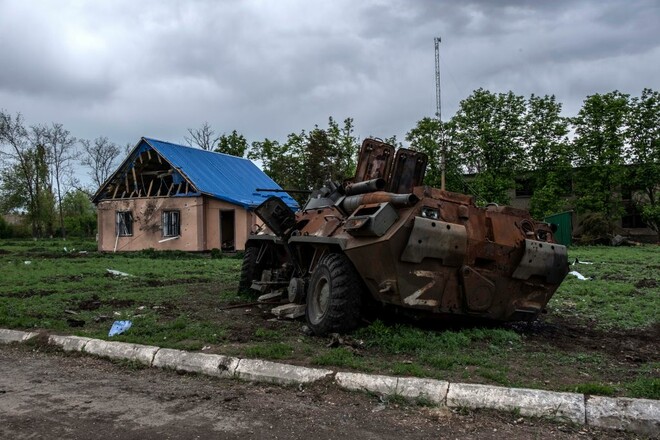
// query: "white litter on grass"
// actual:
[[578, 275], [27, 262], [118, 273], [580, 262]]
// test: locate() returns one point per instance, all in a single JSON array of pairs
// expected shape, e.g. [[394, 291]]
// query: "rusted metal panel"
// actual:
[[374, 161], [409, 170], [436, 239]]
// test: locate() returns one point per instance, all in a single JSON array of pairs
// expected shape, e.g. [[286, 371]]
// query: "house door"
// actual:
[[228, 230]]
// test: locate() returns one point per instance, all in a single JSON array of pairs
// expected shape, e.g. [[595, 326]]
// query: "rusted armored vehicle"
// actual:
[[383, 236]]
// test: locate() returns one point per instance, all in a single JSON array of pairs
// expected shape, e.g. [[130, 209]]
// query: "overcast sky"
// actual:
[[126, 69]]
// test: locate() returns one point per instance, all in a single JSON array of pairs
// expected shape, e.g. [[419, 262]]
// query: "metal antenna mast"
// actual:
[[438, 113]]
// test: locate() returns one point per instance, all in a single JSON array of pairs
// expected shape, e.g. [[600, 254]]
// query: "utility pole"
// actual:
[[438, 114]]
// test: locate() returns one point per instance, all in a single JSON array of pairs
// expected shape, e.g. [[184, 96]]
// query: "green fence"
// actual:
[[564, 222]]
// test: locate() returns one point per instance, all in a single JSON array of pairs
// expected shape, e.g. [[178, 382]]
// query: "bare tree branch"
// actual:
[[100, 157], [203, 137]]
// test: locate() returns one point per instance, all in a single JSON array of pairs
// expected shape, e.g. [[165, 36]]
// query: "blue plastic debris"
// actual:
[[119, 327]]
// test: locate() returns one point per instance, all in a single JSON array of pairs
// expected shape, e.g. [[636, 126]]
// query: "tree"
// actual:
[[547, 154], [487, 136], [643, 135], [278, 161], [26, 173], [234, 144], [60, 149], [79, 214], [599, 146], [203, 137], [345, 147], [426, 138], [308, 159], [99, 156]]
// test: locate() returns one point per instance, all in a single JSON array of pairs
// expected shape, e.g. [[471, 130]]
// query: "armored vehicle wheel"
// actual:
[[333, 298], [250, 270]]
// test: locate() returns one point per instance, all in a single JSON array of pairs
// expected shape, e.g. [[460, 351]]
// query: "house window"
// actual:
[[171, 226], [124, 222], [524, 187], [632, 218]]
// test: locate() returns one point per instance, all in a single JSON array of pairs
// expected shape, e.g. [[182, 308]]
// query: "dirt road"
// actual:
[[54, 395]]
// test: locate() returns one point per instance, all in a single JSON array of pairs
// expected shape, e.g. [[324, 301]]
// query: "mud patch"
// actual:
[[647, 283]]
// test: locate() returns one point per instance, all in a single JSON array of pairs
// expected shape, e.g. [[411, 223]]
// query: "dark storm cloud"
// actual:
[[125, 69]]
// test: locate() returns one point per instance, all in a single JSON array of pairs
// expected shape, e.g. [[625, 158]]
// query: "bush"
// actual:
[[5, 229], [595, 228]]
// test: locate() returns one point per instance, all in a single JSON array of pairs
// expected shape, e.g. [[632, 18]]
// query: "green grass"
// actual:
[[598, 389], [624, 291], [339, 357], [176, 300], [271, 350]]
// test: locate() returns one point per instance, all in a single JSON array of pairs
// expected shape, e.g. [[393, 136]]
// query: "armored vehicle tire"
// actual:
[[250, 270], [333, 296]]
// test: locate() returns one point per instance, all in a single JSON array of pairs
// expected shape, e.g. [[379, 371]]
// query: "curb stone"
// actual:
[[529, 402], [203, 363], [266, 371], [637, 415], [409, 387], [69, 343], [143, 354], [374, 383], [641, 416], [414, 388], [9, 336]]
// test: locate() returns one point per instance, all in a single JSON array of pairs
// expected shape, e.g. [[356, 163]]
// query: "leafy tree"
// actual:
[[308, 159], [100, 157], [487, 133], [426, 137], [278, 161], [79, 214], [26, 177], [548, 155], [599, 145], [345, 146], [234, 144], [643, 134]]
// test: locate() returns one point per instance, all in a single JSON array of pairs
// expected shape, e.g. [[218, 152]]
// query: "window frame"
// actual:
[[124, 218], [171, 223]]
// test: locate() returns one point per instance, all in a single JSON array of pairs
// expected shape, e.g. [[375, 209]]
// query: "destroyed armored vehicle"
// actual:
[[384, 237]]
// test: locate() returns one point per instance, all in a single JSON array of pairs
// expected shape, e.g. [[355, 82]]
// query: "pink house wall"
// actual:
[[199, 224]]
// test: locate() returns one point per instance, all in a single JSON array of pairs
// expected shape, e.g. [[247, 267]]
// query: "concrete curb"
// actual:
[[143, 354], [9, 336], [69, 343], [265, 371], [640, 416], [202, 363], [408, 387], [529, 402], [636, 415]]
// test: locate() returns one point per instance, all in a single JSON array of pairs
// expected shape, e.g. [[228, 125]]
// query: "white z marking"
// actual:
[[413, 300]]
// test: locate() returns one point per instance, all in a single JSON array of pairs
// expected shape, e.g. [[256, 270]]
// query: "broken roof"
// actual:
[[222, 176]]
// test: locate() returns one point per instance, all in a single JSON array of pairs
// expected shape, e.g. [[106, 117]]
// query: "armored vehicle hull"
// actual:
[[385, 237]]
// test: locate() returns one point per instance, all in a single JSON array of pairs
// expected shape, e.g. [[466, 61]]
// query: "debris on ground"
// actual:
[[289, 311], [578, 275], [116, 273], [338, 340], [119, 327]]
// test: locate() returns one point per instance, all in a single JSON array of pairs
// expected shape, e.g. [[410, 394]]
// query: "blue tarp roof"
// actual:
[[229, 178]]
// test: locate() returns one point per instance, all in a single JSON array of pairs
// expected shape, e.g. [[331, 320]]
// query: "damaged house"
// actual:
[[171, 197]]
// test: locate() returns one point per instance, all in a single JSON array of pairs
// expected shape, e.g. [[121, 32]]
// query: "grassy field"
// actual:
[[601, 336]]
